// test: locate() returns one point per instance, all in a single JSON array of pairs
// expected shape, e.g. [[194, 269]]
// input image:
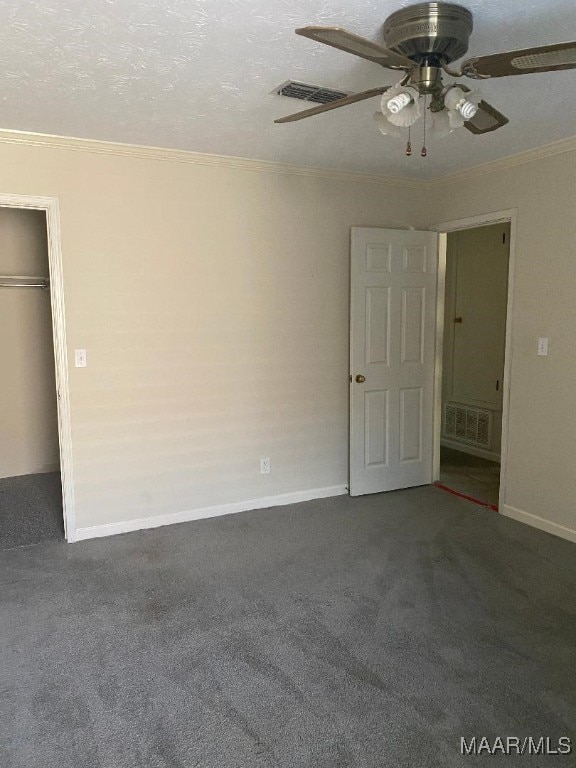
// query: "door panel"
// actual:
[[412, 325], [377, 324], [376, 413], [411, 424], [393, 306]]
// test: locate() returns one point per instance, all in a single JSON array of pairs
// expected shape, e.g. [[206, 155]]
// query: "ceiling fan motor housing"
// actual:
[[431, 34]]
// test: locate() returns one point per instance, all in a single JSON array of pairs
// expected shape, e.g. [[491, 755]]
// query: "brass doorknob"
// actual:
[[360, 379]]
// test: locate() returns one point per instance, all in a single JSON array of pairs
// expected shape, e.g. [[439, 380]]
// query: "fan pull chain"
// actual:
[[408, 144], [424, 151]]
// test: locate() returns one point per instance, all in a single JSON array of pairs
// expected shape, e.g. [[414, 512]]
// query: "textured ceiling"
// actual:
[[198, 75]]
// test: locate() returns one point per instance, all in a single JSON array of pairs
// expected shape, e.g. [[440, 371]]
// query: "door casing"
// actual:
[[50, 206], [496, 217]]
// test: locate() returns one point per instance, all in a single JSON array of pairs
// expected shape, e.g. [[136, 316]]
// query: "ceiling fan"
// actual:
[[421, 42]]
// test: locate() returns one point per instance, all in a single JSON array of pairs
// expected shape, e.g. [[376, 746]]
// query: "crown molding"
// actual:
[[95, 146], [511, 161], [140, 151]]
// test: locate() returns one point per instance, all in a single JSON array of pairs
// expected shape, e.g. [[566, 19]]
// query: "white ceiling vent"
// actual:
[[306, 92]]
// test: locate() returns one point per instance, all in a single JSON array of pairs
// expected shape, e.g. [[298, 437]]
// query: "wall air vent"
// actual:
[[468, 424], [306, 92]]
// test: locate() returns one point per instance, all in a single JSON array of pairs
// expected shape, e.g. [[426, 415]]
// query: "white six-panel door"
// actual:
[[392, 347]]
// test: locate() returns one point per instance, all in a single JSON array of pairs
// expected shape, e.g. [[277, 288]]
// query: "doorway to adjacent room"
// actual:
[[473, 361]]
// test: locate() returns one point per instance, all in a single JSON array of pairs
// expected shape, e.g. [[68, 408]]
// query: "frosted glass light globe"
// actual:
[[441, 124], [386, 127], [453, 98], [458, 100]]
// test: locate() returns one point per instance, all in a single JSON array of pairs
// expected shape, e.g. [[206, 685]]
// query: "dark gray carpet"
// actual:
[[343, 633], [30, 509]]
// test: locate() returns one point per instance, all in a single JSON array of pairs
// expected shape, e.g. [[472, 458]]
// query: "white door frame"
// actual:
[[50, 206], [471, 222]]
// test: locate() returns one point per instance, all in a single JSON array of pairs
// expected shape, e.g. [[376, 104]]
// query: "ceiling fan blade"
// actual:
[[487, 119], [547, 58], [333, 105], [359, 46]]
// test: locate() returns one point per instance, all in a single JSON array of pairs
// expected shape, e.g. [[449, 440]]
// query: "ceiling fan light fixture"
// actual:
[[386, 127], [400, 105], [455, 119], [398, 102], [422, 40], [406, 117], [464, 102], [440, 124], [467, 109]]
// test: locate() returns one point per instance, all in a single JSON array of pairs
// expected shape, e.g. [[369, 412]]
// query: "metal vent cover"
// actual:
[[468, 424], [306, 92]]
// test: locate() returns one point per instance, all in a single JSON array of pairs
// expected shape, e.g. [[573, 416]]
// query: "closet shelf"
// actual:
[[20, 281]]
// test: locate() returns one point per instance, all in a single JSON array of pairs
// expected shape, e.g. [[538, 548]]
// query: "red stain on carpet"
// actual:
[[443, 487]]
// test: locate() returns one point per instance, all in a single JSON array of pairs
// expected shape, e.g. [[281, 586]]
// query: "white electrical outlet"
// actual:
[[543, 347], [80, 358], [265, 466]]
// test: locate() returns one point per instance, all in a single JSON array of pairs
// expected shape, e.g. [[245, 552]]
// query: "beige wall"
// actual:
[[540, 476], [213, 304], [28, 424]]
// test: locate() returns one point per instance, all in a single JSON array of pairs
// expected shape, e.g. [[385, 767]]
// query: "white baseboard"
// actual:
[[471, 449], [539, 522], [39, 470], [49, 468], [125, 526]]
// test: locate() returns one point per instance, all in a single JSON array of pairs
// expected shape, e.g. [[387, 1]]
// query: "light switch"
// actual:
[[543, 346], [80, 358]]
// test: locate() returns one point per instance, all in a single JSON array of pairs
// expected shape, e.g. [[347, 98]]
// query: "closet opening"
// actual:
[[31, 506]]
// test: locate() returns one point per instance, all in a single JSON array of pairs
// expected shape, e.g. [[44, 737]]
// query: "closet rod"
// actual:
[[18, 281]]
